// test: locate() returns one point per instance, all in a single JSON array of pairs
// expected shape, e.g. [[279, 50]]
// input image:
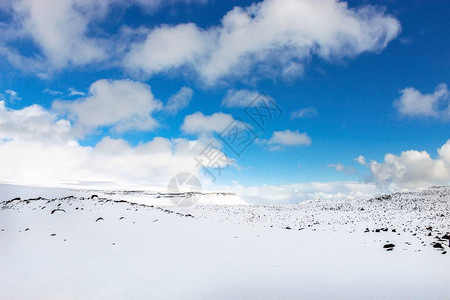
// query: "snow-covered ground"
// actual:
[[94, 248]]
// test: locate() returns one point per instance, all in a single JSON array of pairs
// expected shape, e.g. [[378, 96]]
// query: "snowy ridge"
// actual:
[[8, 192], [167, 198]]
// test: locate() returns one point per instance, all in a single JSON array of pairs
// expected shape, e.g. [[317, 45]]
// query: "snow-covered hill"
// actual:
[[91, 247], [166, 198], [157, 197], [407, 212]]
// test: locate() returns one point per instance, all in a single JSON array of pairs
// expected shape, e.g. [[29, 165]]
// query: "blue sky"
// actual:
[[370, 78]]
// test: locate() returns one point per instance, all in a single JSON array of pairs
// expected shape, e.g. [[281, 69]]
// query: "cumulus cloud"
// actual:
[[412, 169], [66, 33], [111, 161], [61, 34], [241, 98], [269, 37], [38, 148], [413, 103], [179, 101], [32, 123], [166, 48], [198, 123], [120, 104], [280, 139], [304, 113], [274, 35]]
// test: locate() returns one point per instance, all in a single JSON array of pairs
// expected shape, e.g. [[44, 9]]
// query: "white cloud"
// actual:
[[413, 169], [166, 48], [152, 5], [113, 162], [413, 103], [304, 113], [280, 139], [179, 101], [270, 35], [361, 160], [52, 92], [61, 34], [198, 123], [32, 123], [121, 104], [66, 32], [10, 96], [38, 148], [340, 168], [241, 98], [73, 92]]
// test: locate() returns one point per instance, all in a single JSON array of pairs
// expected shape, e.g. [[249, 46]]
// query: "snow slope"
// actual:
[[83, 248], [150, 197]]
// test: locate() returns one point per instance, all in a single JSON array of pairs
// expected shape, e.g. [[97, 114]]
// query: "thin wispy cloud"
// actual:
[[304, 113]]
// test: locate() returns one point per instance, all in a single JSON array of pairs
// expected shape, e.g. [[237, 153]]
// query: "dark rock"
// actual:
[[393, 230], [389, 246], [445, 252], [57, 209], [27, 229], [53, 234], [99, 219], [121, 218], [438, 246], [287, 227]]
